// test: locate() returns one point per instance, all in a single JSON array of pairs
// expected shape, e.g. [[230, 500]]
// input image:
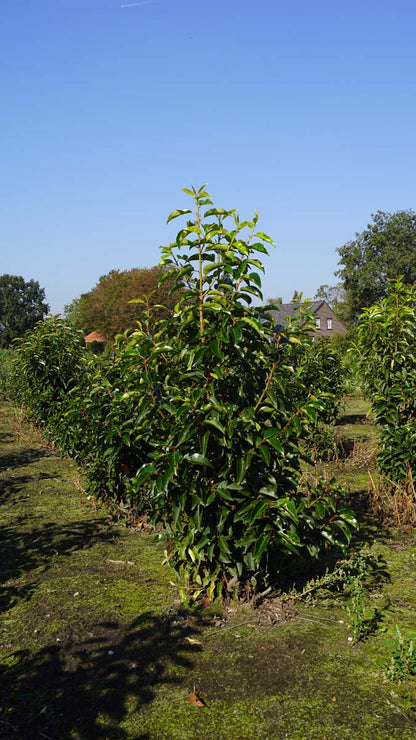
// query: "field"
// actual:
[[95, 644]]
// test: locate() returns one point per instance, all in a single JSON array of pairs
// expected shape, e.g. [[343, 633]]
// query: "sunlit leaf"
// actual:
[[178, 212]]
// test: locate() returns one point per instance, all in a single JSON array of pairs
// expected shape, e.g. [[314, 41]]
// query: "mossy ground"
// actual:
[[95, 645]]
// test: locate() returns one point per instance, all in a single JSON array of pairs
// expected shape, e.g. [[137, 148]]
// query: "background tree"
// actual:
[[339, 300], [385, 250], [22, 305], [106, 307], [72, 313]]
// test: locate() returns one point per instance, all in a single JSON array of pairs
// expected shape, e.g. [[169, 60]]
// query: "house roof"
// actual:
[[95, 336], [327, 322], [290, 310]]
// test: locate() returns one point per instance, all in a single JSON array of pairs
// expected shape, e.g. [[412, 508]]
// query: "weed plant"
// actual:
[[402, 663]]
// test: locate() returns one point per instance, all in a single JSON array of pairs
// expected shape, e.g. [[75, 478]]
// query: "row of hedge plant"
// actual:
[[386, 356], [197, 421]]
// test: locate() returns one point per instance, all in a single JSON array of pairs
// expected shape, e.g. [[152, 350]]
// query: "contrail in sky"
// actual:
[[134, 5]]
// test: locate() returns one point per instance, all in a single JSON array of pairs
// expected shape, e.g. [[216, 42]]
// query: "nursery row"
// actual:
[[200, 422]]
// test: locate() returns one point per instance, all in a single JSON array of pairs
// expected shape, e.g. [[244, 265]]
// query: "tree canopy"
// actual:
[[106, 307], [338, 298], [384, 251], [22, 305]]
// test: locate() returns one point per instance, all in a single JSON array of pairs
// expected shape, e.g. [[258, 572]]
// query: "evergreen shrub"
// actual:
[[6, 373], [386, 357], [223, 410], [50, 361]]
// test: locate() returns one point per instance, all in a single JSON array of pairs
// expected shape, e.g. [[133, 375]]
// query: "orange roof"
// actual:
[[95, 336]]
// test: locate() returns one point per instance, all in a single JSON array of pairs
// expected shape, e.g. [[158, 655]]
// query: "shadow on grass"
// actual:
[[353, 419], [86, 690], [22, 458], [10, 488], [6, 438], [26, 550]]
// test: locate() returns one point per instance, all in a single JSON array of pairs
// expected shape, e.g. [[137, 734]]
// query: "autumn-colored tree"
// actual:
[[107, 308]]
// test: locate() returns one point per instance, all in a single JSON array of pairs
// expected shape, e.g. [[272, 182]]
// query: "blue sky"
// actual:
[[304, 110]]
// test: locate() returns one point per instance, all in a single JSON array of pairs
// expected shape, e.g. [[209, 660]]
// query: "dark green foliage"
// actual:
[[74, 397], [22, 305], [97, 348], [6, 373], [383, 252], [223, 408], [50, 361], [323, 371], [101, 428], [387, 361], [322, 444], [72, 314]]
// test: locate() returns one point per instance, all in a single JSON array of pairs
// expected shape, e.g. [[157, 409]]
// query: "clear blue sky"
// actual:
[[303, 109]]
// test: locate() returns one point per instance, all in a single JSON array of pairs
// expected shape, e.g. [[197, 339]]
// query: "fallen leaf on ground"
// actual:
[[195, 700]]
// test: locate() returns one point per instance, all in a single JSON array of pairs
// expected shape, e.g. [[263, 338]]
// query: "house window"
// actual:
[[329, 324], [317, 323]]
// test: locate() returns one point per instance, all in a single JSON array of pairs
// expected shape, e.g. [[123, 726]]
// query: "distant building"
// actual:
[[326, 322], [95, 340]]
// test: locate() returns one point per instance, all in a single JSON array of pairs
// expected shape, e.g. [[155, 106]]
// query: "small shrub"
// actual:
[[362, 620], [324, 372], [322, 444]]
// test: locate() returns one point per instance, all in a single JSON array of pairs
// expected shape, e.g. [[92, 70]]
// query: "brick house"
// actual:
[[326, 323]]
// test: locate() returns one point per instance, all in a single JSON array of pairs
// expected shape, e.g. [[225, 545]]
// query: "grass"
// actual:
[[94, 643]]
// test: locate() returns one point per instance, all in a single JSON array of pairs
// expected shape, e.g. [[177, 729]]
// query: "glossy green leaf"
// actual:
[[265, 237], [197, 459], [178, 212], [265, 453], [254, 323]]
